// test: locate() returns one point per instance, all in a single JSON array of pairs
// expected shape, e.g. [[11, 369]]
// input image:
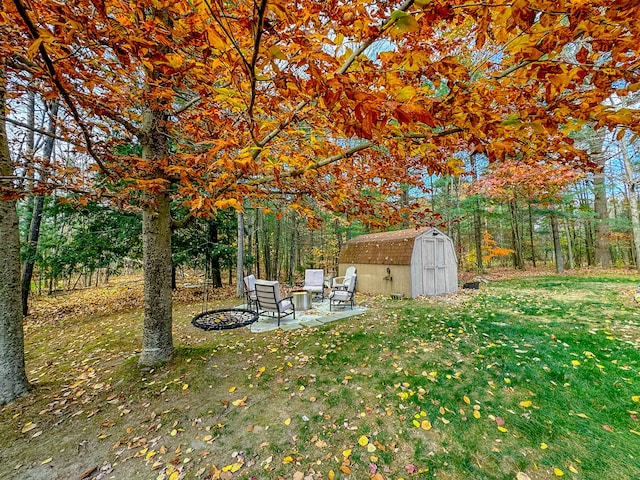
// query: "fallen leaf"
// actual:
[[298, 475], [608, 428], [28, 426], [466, 400], [363, 441], [425, 425], [525, 403], [558, 472], [522, 476], [544, 446], [44, 462]]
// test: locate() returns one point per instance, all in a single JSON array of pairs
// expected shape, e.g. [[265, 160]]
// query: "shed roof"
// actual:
[[386, 248]]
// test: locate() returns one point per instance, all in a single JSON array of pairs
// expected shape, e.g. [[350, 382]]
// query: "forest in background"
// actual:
[[504, 218]]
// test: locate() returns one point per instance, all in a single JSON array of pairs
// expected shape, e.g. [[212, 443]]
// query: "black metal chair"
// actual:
[[269, 301]]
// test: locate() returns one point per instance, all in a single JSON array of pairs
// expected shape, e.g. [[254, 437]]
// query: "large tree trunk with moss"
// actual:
[[13, 377], [157, 340]]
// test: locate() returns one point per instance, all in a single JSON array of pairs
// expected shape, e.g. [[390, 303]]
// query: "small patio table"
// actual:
[[301, 300]]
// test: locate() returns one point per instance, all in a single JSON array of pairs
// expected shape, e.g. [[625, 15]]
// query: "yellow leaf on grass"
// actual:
[[363, 441], [287, 459], [466, 400], [573, 469], [581, 415], [346, 453], [544, 446], [416, 423], [185, 386], [174, 432], [525, 403], [46, 461], [425, 425], [287, 421], [371, 448], [331, 475], [636, 398], [174, 476], [476, 413], [558, 472], [575, 362], [232, 389], [345, 469], [502, 429], [28, 426]]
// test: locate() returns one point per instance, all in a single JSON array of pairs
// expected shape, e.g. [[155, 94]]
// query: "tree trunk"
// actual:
[[276, 254], [569, 244], [216, 274], [477, 221], [557, 247], [240, 260], [36, 218], [633, 200], [13, 377], [516, 236], [602, 252], [533, 248], [157, 340]]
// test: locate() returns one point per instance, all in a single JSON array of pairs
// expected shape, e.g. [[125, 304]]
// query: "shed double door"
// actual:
[[434, 265]]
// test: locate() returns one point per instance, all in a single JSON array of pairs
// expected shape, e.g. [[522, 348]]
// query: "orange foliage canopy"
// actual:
[[340, 101]]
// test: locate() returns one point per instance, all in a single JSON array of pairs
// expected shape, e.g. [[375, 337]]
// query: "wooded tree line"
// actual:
[[176, 111], [81, 245]]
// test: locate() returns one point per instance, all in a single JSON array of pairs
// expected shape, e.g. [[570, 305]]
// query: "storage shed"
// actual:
[[410, 262]]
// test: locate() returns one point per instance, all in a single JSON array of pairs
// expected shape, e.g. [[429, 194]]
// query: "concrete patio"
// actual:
[[316, 316]]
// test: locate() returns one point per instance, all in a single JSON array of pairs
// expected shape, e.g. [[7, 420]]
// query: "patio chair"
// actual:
[[250, 292], [269, 301], [314, 281], [342, 297], [343, 282]]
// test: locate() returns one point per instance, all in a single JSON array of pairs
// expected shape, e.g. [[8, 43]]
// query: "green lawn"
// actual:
[[528, 378]]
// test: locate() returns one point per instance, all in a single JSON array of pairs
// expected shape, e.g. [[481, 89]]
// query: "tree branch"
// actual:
[[22, 11], [41, 131]]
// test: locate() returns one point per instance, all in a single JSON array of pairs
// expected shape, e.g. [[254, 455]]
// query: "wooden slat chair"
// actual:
[[250, 292], [269, 301], [314, 281], [342, 297]]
